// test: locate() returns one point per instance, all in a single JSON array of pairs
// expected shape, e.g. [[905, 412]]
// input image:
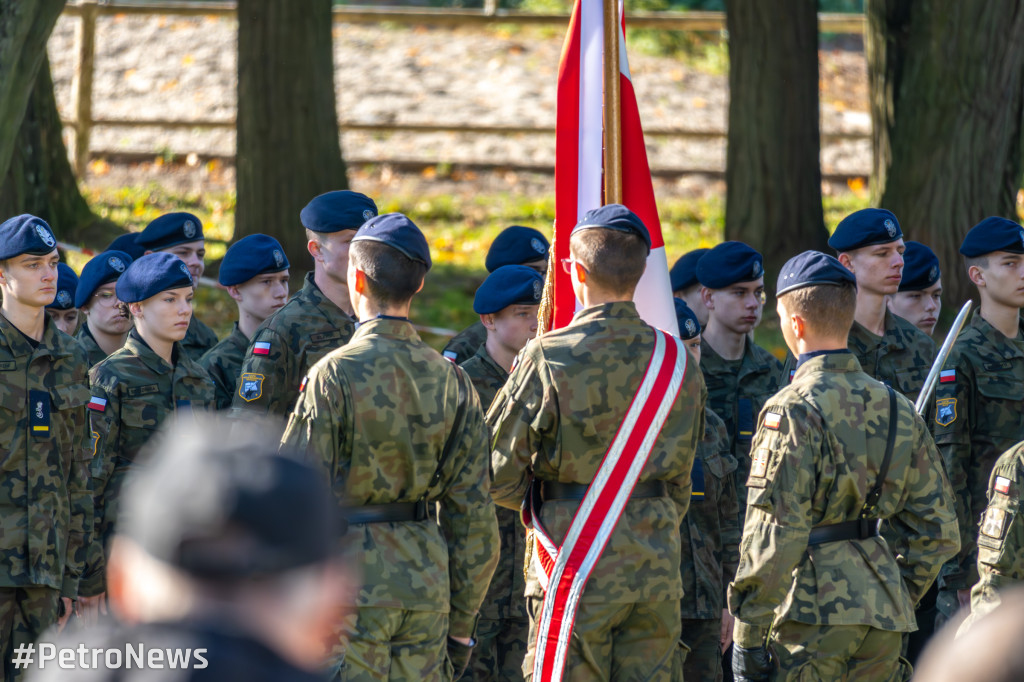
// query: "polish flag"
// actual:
[[579, 161], [261, 348]]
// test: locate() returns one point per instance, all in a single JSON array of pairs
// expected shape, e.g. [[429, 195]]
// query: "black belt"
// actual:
[[858, 529], [384, 513], [552, 490]]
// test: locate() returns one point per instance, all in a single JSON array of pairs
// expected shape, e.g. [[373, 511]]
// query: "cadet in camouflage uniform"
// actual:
[[395, 428], [740, 375], [45, 500], [979, 401], [686, 286], [105, 329], [710, 535], [315, 321], [919, 299], [255, 273], [515, 245], [507, 303], [835, 453], [63, 311], [140, 385], [552, 424], [182, 235]]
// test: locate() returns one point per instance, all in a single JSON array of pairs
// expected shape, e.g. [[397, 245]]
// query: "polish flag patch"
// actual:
[[772, 421], [792, 373], [1002, 485], [261, 348], [98, 404], [947, 375]]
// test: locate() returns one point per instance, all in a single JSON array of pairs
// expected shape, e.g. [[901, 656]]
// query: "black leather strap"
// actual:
[[552, 490], [858, 529], [871, 501], [384, 513]]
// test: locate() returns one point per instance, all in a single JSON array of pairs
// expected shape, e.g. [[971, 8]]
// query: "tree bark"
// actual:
[[773, 171], [288, 146], [947, 80]]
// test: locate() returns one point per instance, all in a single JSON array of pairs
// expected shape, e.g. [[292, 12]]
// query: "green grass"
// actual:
[[460, 228]]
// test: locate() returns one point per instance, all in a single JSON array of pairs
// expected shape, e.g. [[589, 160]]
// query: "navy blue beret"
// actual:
[[993, 234], [127, 243], [614, 217], [337, 211], [170, 230], [508, 285], [729, 263], [100, 270], [151, 274], [920, 267], [866, 227], [683, 274], [398, 232], [812, 268], [67, 284], [25, 234], [516, 245], [250, 256], [689, 325]]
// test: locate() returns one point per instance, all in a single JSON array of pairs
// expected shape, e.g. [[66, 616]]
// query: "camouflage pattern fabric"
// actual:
[[93, 353], [291, 340], [198, 339], [811, 653], [978, 414], [393, 644], [704, 662], [374, 416], [25, 613], [620, 642], [554, 420], [223, 363], [737, 396], [464, 344], [901, 358], [817, 452], [503, 627], [1001, 536], [46, 511], [133, 392]]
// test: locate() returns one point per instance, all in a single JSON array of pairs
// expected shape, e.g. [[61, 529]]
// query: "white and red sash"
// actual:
[[564, 571]]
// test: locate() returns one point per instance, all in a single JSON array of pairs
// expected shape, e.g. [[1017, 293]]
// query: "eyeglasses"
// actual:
[[567, 265]]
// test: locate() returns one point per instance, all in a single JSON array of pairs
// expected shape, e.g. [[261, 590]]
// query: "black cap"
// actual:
[[615, 217], [866, 227], [25, 234], [398, 232], [683, 274], [516, 245], [920, 267], [812, 268], [689, 325], [729, 263], [170, 230], [337, 211], [993, 234]]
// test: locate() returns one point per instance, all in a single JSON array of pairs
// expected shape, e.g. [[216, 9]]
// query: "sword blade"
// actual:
[[940, 359]]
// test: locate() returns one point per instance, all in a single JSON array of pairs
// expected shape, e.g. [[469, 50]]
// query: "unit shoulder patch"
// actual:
[[250, 386], [993, 524], [945, 411]]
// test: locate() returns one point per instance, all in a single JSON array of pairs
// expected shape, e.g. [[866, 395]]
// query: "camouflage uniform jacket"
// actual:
[[464, 344], [710, 531], [1001, 540], [223, 363], [93, 352], [817, 453], [46, 497], [374, 415], [901, 358], [978, 414], [198, 339], [554, 420], [737, 397], [133, 391], [505, 595], [293, 339]]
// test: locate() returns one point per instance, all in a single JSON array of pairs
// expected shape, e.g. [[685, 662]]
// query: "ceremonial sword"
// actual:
[[940, 359]]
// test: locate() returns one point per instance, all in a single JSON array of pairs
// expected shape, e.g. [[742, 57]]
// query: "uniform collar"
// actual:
[[622, 310], [140, 349], [312, 293], [386, 326], [892, 336], [828, 362], [237, 338], [20, 347], [486, 358], [1011, 347], [804, 357]]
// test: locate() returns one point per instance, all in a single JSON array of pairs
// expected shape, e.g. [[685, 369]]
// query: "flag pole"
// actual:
[[612, 105]]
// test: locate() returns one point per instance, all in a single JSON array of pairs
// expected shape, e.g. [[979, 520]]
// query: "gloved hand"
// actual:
[[458, 654], [752, 665]]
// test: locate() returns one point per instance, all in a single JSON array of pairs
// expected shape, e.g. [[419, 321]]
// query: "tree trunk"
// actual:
[[947, 80], [773, 171], [288, 147], [24, 30]]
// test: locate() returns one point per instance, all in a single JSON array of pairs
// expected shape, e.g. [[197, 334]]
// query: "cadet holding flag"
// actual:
[[106, 328], [819, 594], [255, 273]]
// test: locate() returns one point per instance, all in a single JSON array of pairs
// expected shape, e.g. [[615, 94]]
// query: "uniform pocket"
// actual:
[[68, 426]]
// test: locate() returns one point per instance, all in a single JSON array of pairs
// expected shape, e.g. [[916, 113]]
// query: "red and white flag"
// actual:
[[579, 163]]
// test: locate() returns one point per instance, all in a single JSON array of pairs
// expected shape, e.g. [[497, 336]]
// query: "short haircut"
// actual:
[[312, 236], [980, 261], [614, 260], [392, 278], [828, 309]]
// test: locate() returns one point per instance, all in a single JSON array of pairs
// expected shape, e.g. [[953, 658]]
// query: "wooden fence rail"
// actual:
[[89, 11]]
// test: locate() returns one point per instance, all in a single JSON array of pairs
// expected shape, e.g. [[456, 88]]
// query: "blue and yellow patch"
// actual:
[[250, 386], [945, 411]]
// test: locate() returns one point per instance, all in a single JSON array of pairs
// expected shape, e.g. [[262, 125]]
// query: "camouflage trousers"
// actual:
[[704, 662], [499, 652], [392, 644], [838, 652], [25, 612], [622, 642]]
